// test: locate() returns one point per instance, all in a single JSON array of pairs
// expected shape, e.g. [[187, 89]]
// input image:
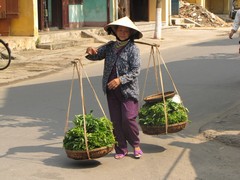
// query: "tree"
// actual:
[[158, 22]]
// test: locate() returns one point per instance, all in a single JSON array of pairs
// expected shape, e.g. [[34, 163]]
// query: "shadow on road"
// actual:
[[207, 85], [209, 161]]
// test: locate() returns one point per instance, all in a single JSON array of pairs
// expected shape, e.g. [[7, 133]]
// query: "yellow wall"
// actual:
[[207, 4], [199, 2], [152, 10], [27, 23], [191, 1], [238, 3], [218, 6], [163, 10], [214, 6]]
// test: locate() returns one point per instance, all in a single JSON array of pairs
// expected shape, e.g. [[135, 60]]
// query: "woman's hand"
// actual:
[[91, 51], [231, 33], [114, 83]]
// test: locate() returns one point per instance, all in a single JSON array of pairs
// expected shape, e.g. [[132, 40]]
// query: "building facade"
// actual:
[[17, 17], [29, 17], [70, 14]]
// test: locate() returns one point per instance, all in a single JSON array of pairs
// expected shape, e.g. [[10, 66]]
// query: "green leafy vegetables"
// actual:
[[99, 133], [153, 113]]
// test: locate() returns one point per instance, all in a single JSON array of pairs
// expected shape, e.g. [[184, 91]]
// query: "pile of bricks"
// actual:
[[200, 15]]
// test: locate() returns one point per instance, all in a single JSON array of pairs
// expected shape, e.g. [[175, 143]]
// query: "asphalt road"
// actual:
[[206, 74]]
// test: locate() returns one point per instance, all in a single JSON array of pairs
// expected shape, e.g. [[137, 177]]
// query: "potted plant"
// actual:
[[152, 116], [99, 135]]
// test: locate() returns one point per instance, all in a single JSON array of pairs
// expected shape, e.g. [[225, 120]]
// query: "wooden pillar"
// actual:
[[40, 15], [65, 14]]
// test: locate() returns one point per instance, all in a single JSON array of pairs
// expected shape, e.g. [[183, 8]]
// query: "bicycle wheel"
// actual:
[[5, 55]]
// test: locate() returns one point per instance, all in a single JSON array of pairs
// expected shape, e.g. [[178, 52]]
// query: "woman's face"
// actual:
[[123, 33]]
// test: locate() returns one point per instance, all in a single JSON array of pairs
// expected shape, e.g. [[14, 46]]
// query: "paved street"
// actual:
[[34, 63], [204, 64]]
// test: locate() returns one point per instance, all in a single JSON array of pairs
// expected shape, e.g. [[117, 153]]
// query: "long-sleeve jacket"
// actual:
[[127, 67]]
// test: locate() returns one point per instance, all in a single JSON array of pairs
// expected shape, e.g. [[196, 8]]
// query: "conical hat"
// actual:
[[126, 22]]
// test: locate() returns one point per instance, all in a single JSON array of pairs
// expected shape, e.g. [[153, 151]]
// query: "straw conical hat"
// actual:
[[126, 22]]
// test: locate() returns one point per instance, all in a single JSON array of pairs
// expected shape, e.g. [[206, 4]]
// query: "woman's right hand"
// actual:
[[231, 33], [91, 51]]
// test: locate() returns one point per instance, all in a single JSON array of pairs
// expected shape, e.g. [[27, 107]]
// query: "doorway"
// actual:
[[139, 10], [53, 14]]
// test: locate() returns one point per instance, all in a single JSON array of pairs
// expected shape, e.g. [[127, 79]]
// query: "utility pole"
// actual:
[[158, 21]]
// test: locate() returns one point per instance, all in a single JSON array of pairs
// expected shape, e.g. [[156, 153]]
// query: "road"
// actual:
[[33, 117]]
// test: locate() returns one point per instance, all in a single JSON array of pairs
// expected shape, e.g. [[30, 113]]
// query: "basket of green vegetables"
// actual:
[[97, 142], [152, 117]]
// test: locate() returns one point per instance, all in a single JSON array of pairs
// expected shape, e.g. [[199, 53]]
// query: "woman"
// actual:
[[120, 83], [236, 24]]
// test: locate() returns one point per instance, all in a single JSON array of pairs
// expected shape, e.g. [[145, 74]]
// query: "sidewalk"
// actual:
[[40, 62]]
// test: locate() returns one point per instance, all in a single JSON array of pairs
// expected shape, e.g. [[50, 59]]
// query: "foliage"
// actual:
[[153, 113], [99, 133]]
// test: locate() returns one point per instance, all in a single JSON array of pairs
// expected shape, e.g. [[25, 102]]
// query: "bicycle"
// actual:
[[5, 55]]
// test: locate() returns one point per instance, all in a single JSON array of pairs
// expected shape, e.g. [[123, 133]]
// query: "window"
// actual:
[[8, 9], [12, 8]]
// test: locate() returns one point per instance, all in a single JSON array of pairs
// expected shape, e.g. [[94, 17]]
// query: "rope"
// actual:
[[69, 102], [145, 81], [83, 109], [155, 70], [163, 94], [157, 57], [80, 70], [161, 58], [94, 92]]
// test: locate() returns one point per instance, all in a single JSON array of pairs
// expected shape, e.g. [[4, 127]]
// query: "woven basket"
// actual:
[[158, 97], [156, 130], [94, 154]]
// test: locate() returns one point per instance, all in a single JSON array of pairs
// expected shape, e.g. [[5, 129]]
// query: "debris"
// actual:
[[200, 15]]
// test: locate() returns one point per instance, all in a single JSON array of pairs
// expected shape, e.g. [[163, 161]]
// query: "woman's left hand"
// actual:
[[114, 83]]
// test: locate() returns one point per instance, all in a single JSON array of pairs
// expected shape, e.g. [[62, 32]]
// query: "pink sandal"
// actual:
[[119, 156], [138, 153]]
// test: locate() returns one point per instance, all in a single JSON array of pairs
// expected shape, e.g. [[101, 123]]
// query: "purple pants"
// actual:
[[123, 114]]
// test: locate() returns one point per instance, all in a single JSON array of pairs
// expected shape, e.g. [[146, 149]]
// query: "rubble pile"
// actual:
[[200, 15]]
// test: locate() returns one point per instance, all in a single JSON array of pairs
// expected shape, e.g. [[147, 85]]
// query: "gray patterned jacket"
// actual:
[[127, 67]]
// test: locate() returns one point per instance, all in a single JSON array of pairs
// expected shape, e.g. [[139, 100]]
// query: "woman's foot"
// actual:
[[137, 152], [120, 156]]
